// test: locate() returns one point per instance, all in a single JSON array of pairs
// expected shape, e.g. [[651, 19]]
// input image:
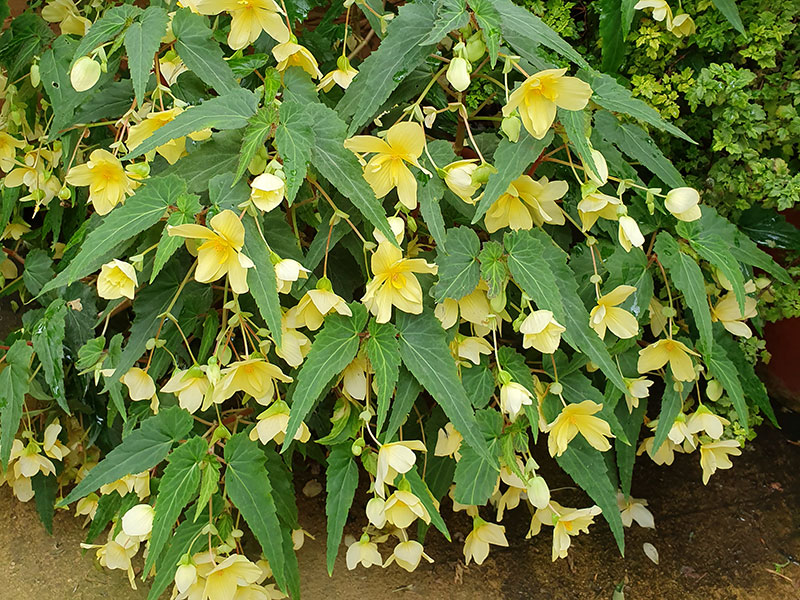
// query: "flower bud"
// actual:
[[35, 78], [458, 73], [475, 47], [511, 126], [683, 203], [538, 492], [85, 73]]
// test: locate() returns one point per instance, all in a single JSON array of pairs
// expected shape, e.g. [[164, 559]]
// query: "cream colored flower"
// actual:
[[476, 546], [570, 522], [458, 177], [663, 455], [448, 441], [190, 386], [675, 353], [171, 150], [50, 443], [471, 348], [727, 312], [394, 459], [704, 420], [117, 279], [107, 180], [363, 552], [636, 388], [287, 271], [313, 307], [683, 203], [140, 385], [84, 74], [541, 331], [267, 191], [607, 314], [138, 521], [660, 8], [513, 396], [629, 234], [407, 555], [230, 575], [574, 419], [682, 26], [249, 19], [633, 509], [403, 508], [594, 205], [458, 73], [716, 455], [271, 425], [291, 54], [8, 150], [474, 308], [354, 378], [342, 76], [527, 203], [254, 376], [294, 345]]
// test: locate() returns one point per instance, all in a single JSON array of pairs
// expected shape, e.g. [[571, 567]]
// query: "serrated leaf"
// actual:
[[262, 279], [333, 349], [452, 15], [113, 21], [671, 405], [295, 141], [14, 385], [430, 194], [725, 370], [44, 489], [493, 267], [730, 12], [255, 136], [752, 386], [383, 351], [183, 541], [202, 55], [611, 34], [406, 393], [511, 160], [177, 488], [281, 478], [144, 209], [478, 381], [540, 268], [231, 110], [142, 41], [209, 484], [141, 450], [341, 481], [54, 71], [38, 270], [574, 122], [424, 350], [249, 489], [218, 155], [188, 206], [475, 476], [48, 343], [399, 53], [459, 271], [420, 489], [489, 21], [108, 506], [626, 453], [687, 276]]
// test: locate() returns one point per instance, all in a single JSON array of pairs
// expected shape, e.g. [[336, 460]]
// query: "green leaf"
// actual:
[[54, 71], [295, 140], [231, 110], [341, 481], [218, 155], [183, 541], [178, 487], [635, 143], [406, 394], [627, 10], [280, 476], [493, 267], [459, 271], [38, 270], [25, 37], [688, 278], [632, 268], [671, 405], [14, 385], [383, 351], [730, 12], [202, 55], [723, 368], [489, 21], [108, 506], [188, 206], [248, 487], [475, 476], [142, 41], [478, 381], [48, 343], [256, 133], [752, 386], [113, 21], [626, 453], [452, 15], [399, 53], [613, 42], [262, 279], [574, 122], [141, 450], [209, 484], [540, 268], [424, 350], [511, 159], [333, 349], [44, 489], [142, 210], [430, 194], [420, 489]]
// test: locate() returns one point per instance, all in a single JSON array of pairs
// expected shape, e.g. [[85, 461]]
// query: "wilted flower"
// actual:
[[633, 509]]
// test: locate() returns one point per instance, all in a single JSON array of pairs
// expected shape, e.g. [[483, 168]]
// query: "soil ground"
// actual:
[[724, 541]]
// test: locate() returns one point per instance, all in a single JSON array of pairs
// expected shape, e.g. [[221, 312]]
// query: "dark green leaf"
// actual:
[[452, 15], [295, 141], [459, 271], [209, 484], [262, 280], [38, 270], [142, 41], [14, 385], [730, 12], [113, 21], [723, 368], [406, 394], [183, 541], [476, 476], [188, 206], [255, 135], [48, 343], [611, 34], [671, 405], [218, 155], [341, 481], [44, 488], [197, 48], [493, 267], [489, 21], [383, 351]]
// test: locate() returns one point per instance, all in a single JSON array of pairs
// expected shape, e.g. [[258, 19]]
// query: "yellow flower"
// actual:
[[458, 73], [254, 376], [173, 149], [394, 459], [664, 455], [574, 419], [42, 185], [288, 271], [222, 253], [474, 308], [470, 348], [27, 460], [313, 307], [633, 509], [407, 555], [8, 150], [65, 13], [682, 25], [448, 441], [354, 378], [171, 66], [683, 203], [117, 279], [513, 396], [601, 178], [476, 546], [728, 313], [272, 424], [527, 203], [248, 19], [50, 443], [704, 420], [636, 389], [458, 177], [342, 76], [137, 522], [715, 455], [570, 522], [660, 8], [675, 353], [541, 331], [140, 386], [139, 483], [117, 553], [387, 170], [539, 95], [290, 54], [608, 315], [364, 552], [84, 74], [629, 234], [403, 508], [108, 182], [595, 205], [15, 230], [394, 283], [267, 191], [190, 386], [294, 345], [226, 578]]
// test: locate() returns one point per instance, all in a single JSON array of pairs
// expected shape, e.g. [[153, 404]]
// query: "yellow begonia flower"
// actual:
[[267, 191], [595, 205], [527, 203], [403, 508], [375, 512], [248, 19], [185, 577], [15, 230], [342, 76], [354, 378], [629, 234], [222, 253], [513, 396], [229, 576], [271, 425], [474, 308], [173, 149], [407, 555], [65, 13], [660, 8], [117, 279], [108, 182], [394, 283], [254, 376], [8, 150], [715, 455], [704, 420], [313, 307], [117, 553], [510, 499], [608, 315], [574, 419], [664, 455], [290, 54], [363, 552], [448, 441], [140, 385], [476, 546], [394, 459], [137, 522], [675, 353], [458, 73], [398, 227], [85, 73], [727, 312], [541, 331], [294, 345], [50, 443], [682, 25], [190, 386], [601, 177], [566, 522], [458, 177], [633, 509], [42, 186], [387, 170], [683, 203], [287, 271], [636, 388], [539, 95], [139, 483], [171, 66], [471, 348]]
